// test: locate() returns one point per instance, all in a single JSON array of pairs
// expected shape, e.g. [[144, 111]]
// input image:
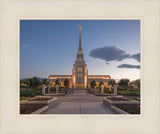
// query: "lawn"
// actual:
[[134, 98], [24, 98], [131, 93], [30, 93]]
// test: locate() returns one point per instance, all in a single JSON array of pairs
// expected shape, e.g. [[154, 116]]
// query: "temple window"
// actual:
[[79, 69]]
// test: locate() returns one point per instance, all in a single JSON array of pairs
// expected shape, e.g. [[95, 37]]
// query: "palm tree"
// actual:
[[112, 82], [57, 82], [66, 84], [93, 83], [45, 81], [138, 83], [101, 83]]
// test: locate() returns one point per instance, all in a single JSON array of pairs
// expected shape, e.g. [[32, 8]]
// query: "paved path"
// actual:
[[79, 105]]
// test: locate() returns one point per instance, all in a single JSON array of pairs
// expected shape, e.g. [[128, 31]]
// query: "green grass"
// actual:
[[31, 93], [134, 98], [24, 98], [124, 92]]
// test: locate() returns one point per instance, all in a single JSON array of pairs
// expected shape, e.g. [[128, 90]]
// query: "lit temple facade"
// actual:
[[80, 77]]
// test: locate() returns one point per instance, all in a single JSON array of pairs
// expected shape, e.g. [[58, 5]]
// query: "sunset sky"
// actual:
[[110, 47]]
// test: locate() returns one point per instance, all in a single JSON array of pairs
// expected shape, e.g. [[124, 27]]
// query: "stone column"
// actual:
[[57, 88], [43, 89], [115, 89], [48, 88], [102, 89], [110, 88]]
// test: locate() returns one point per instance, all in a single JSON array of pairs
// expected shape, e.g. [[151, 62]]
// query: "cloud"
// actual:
[[107, 63], [129, 66], [24, 45], [109, 53], [136, 57], [112, 53]]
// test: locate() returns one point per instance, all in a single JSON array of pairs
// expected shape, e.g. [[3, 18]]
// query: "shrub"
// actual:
[[121, 88], [27, 109], [132, 109], [131, 93], [107, 91], [30, 93], [24, 98]]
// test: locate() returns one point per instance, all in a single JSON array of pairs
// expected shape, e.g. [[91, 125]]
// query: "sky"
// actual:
[[110, 47]]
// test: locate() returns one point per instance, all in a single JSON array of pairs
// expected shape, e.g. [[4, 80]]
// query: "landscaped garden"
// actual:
[[132, 109], [27, 109], [35, 103], [114, 98], [41, 98], [129, 93], [30, 93], [123, 105], [134, 98], [24, 98]]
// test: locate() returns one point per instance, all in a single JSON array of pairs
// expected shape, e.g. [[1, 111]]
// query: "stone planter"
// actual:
[[39, 102], [118, 110], [110, 102], [41, 110], [104, 94]]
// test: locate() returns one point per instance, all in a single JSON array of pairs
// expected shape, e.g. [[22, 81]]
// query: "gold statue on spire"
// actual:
[[79, 27]]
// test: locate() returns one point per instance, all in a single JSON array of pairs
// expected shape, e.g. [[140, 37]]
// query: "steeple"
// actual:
[[80, 48]]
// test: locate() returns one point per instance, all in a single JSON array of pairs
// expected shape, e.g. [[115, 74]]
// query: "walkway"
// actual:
[[79, 105]]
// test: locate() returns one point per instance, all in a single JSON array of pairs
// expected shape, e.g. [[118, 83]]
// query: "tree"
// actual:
[[25, 81], [123, 83], [45, 81], [57, 82], [112, 82], [138, 83], [93, 84], [34, 82], [66, 83], [101, 83]]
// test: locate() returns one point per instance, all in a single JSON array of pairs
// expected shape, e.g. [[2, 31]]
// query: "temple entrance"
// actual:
[[78, 85], [79, 90]]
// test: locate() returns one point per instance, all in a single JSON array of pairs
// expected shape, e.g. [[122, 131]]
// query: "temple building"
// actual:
[[80, 77]]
